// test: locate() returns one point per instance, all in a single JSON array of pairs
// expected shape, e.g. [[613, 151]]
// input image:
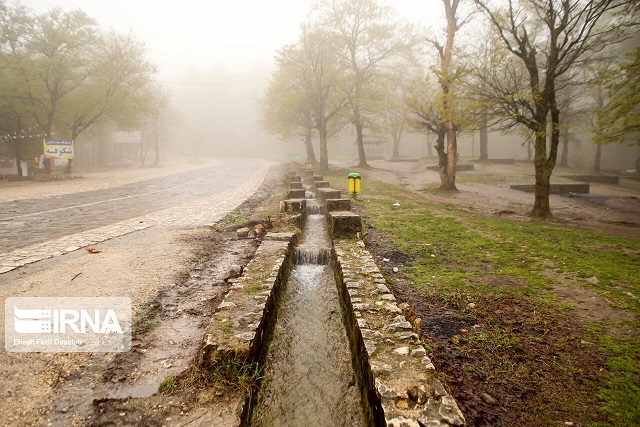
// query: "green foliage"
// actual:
[[621, 117], [61, 74]]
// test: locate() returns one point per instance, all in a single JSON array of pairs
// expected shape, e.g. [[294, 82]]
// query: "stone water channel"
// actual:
[[313, 311], [308, 377]]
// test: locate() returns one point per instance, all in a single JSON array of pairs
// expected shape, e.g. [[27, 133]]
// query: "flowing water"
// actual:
[[308, 378]]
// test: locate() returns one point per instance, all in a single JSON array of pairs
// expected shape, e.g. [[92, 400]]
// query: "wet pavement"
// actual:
[[35, 229]]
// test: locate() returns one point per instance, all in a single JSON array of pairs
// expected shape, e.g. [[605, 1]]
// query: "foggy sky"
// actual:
[[195, 36]]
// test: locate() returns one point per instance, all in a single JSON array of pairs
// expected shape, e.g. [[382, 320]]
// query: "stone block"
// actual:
[[296, 194], [295, 178], [345, 224], [603, 179], [337, 205], [293, 205], [293, 185], [321, 184], [328, 193], [555, 188], [318, 178]]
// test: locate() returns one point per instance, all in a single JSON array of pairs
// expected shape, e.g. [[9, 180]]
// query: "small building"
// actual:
[[8, 168]]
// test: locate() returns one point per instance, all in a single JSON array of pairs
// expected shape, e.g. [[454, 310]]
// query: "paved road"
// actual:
[[35, 229]]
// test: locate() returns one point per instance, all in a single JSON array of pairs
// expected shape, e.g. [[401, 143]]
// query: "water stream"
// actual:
[[308, 377]]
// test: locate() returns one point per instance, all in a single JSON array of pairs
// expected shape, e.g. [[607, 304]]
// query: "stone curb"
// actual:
[[390, 361], [245, 318]]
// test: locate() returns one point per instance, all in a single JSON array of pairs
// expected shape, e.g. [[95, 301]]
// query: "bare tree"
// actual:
[[549, 38]]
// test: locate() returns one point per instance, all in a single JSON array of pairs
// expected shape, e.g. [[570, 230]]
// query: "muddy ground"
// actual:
[[176, 305], [552, 382], [176, 278]]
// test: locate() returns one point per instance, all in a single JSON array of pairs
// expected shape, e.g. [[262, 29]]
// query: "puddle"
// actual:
[[308, 378]]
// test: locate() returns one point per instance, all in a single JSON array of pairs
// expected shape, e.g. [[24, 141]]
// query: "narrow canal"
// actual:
[[308, 378]]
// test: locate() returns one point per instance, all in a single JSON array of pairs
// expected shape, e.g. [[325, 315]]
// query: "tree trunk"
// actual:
[[442, 155], [308, 143], [324, 155], [396, 149], [544, 165], [156, 147], [484, 139], [598, 158], [541, 206], [452, 159], [564, 157], [448, 178], [362, 156], [18, 154]]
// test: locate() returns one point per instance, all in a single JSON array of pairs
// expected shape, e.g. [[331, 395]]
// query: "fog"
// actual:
[[215, 60]]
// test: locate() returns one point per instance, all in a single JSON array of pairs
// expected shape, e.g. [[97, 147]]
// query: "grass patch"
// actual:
[[231, 371], [146, 320], [509, 270]]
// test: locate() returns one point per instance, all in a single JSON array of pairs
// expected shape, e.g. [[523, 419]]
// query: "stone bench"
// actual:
[[555, 188], [602, 179]]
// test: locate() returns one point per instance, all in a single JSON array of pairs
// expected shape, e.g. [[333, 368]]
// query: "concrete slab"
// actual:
[[344, 224], [555, 188], [338, 205], [328, 193], [296, 194], [293, 205]]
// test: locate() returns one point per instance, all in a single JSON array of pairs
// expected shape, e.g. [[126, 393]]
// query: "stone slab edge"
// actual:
[[398, 378]]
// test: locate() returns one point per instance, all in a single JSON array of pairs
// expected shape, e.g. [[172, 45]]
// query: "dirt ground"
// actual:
[[612, 209], [546, 379], [176, 279]]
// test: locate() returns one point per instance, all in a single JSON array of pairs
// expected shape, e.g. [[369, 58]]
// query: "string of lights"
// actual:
[[23, 134]]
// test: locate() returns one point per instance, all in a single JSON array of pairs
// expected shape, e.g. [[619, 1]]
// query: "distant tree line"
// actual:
[[542, 67], [60, 74]]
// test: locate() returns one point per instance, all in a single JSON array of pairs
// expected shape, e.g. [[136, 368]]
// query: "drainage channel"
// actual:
[[314, 313], [308, 377]]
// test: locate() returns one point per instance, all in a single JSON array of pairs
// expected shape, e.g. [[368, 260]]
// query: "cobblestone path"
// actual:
[[36, 229]]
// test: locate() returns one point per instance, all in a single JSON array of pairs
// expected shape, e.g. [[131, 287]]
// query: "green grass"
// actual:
[[454, 250], [146, 320], [230, 371]]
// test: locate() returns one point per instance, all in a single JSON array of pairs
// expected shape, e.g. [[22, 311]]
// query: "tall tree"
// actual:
[[549, 37], [423, 100], [119, 87], [306, 90], [447, 77], [369, 35], [621, 117]]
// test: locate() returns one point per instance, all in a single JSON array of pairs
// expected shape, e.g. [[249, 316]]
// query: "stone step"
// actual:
[[296, 194], [328, 193], [338, 204], [344, 224]]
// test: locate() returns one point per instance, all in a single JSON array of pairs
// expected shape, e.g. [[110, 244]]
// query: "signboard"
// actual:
[[134, 137], [58, 149]]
